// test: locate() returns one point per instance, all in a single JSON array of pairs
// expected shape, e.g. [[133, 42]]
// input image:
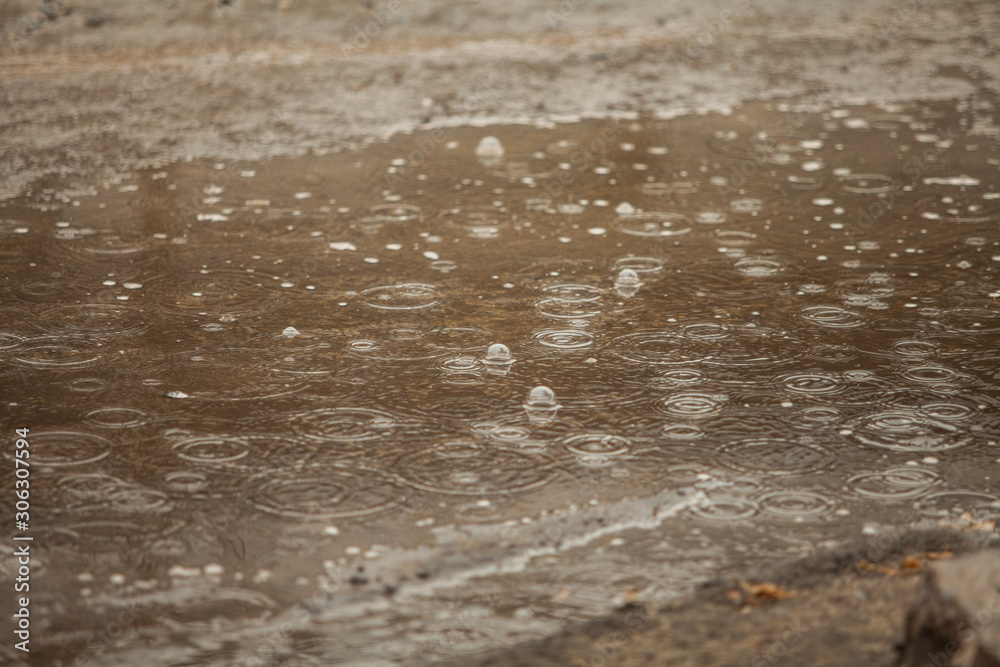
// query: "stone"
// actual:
[[955, 620]]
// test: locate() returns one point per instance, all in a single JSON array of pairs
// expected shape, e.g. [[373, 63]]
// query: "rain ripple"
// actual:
[[67, 448], [894, 483], [795, 504], [832, 317], [466, 468], [404, 296], [907, 431], [225, 374], [333, 492], [95, 319], [213, 291], [774, 456]]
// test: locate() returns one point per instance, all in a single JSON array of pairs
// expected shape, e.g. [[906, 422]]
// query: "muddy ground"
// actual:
[[841, 610], [98, 87], [93, 90]]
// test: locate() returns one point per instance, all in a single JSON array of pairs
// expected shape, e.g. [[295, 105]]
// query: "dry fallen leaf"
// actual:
[[909, 564], [874, 567], [761, 592]]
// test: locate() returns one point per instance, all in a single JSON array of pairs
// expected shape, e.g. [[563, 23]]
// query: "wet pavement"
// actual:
[[450, 391], [332, 351]]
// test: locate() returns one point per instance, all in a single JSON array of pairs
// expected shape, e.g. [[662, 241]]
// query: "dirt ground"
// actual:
[[845, 606], [95, 88]]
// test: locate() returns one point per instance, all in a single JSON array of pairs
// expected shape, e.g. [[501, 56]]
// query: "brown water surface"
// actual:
[[265, 406]]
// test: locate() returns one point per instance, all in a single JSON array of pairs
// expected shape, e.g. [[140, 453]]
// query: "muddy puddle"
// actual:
[[449, 392]]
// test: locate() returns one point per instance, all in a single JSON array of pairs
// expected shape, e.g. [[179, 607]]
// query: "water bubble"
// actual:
[[541, 405], [490, 149], [627, 283], [498, 353], [625, 209], [498, 359], [541, 397]]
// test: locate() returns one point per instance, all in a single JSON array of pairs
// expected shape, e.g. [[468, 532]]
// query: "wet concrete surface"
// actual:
[[282, 366]]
